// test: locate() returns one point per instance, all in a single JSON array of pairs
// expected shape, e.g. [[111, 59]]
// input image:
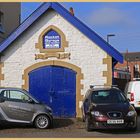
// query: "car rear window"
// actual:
[[108, 96]]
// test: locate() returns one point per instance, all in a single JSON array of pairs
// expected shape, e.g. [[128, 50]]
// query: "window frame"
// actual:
[[8, 98]]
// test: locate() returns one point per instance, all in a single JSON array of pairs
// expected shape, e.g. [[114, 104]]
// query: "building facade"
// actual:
[[9, 18], [131, 64], [56, 57]]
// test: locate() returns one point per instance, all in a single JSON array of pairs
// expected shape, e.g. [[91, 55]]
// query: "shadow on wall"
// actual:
[[121, 83]]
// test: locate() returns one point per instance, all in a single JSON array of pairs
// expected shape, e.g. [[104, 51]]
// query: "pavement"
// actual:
[[65, 128]]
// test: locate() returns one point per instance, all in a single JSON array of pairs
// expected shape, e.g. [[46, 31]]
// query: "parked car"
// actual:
[[18, 106], [108, 108], [132, 92]]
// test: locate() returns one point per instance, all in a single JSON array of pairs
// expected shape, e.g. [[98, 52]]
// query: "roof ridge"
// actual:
[[93, 36], [89, 29]]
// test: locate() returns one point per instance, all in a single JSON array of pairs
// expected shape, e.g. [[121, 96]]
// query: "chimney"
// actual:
[[71, 11]]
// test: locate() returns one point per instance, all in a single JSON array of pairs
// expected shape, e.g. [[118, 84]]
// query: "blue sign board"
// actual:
[[51, 40]]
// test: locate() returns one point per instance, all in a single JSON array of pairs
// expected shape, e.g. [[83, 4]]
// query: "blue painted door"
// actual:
[[56, 87]]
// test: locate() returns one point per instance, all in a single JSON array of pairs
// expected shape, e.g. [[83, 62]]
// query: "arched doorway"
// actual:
[[56, 87], [63, 68]]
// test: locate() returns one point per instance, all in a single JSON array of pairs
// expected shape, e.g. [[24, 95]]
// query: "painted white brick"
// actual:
[[84, 53]]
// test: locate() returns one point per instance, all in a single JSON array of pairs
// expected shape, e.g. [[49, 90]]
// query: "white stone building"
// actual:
[[56, 57]]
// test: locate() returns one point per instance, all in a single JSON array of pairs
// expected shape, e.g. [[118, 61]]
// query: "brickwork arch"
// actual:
[[79, 77]]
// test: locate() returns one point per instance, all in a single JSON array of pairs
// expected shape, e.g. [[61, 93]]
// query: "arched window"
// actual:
[[51, 40]]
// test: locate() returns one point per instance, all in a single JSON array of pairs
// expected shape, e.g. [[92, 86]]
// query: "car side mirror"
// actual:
[[31, 101], [2, 100]]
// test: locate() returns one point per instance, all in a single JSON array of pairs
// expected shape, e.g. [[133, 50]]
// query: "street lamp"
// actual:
[[109, 35]]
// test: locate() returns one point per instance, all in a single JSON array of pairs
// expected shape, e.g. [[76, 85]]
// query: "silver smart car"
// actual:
[[17, 106]]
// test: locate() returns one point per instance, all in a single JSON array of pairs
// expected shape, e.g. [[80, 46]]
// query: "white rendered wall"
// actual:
[[84, 53]]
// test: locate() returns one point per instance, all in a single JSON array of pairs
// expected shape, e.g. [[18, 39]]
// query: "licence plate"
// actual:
[[115, 121]]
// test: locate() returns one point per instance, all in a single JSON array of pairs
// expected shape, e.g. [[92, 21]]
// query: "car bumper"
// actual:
[[104, 125], [128, 124]]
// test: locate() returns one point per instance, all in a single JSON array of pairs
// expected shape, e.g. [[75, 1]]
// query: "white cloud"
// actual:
[[110, 16]]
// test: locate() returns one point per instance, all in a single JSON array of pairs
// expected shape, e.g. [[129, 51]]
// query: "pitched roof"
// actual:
[[72, 19]]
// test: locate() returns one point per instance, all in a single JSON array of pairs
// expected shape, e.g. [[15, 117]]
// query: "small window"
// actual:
[[4, 94], [136, 67], [14, 95], [18, 95], [51, 40]]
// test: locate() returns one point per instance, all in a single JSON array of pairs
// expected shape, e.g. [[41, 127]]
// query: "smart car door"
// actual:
[[17, 107]]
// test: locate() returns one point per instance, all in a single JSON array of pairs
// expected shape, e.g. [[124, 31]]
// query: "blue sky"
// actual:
[[121, 19]]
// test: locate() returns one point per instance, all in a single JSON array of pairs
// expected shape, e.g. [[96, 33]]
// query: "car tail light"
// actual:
[[131, 96]]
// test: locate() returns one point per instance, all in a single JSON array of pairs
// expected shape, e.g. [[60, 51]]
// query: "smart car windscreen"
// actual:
[[108, 96]]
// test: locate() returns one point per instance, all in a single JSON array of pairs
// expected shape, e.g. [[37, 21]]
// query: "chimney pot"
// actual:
[[71, 11]]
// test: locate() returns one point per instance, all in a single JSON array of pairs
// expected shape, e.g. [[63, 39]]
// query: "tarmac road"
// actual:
[[65, 128]]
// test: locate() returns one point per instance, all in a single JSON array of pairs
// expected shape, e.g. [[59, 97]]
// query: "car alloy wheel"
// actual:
[[42, 122]]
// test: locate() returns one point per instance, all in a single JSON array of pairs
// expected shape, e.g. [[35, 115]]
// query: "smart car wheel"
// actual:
[[42, 122], [87, 124]]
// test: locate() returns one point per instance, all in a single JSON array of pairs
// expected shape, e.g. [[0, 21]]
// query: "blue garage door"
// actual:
[[56, 87]]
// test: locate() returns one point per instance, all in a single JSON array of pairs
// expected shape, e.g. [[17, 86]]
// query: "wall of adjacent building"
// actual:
[[11, 17], [131, 67]]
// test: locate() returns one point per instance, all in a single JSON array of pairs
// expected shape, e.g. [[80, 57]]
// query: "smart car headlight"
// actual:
[[131, 113], [96, 113]]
